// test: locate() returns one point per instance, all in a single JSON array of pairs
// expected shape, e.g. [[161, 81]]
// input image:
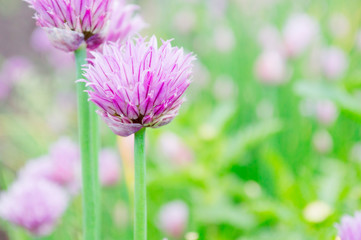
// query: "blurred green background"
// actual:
[[251, 159]]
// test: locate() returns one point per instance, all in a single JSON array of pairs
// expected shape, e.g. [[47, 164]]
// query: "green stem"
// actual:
[[140, 192], [88, 138], [95, 161]]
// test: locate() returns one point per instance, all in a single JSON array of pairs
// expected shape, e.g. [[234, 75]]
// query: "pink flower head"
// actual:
[[65, 157], [33, 205], [15, 68], [39, 168], [109, 169], [326, 112], [298, 33], [174, 149], [173, 218], [70, 22], [137, 84], [334, 63], [61, 166], [124, 22], [270, 68], [12, 70], [350, 227]]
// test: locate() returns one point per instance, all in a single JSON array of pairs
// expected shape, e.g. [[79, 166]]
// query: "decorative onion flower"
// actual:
[[334, 63], [173, 148], [124, 22], [137, 84], [61, 166], [326, 112], [65, 157], [298, 33], [270, 68], [173, 218], [13, 70], [33, 205], [350, 227], [69, 23]]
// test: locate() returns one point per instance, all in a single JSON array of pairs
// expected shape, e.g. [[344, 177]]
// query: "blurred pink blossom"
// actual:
[[350, 227], [172, 147], [326, 112], [39, 168], [124, 21], [34, 205], [299, 31], [13, 70], [109, 167], [65, 157], [224, 39], [61, 166], [270, 68], [334, 63], [173, 218]]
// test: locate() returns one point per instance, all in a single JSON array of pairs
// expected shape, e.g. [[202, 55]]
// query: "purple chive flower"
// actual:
[[298, 33], [137, 84], [350, 227], [61, 166], [124, 22], [173, 218], [13, 70], [69, 23], [109, 167], [65, 156], [33, 205], [173, 148]]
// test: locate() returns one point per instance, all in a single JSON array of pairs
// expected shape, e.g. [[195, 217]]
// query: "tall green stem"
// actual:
[[140, 192], [95, 163], [88, 138]]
